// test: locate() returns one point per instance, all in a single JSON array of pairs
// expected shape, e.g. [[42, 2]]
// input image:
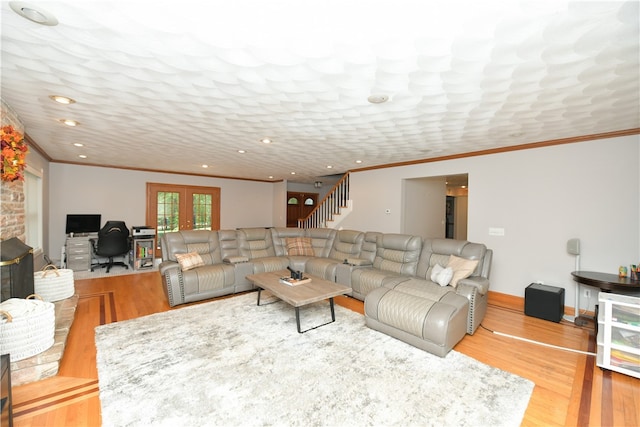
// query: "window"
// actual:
[[33, 208], [201, 211], [168, 211]]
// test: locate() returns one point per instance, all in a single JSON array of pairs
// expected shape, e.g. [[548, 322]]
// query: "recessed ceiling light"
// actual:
[[69, 122], [378, 99], [241, 151], [329, 167], [82, 156], [62, 99], [33, 13], [78, 144], [293, 173], [265, 141], [205, 166], [358, 161]]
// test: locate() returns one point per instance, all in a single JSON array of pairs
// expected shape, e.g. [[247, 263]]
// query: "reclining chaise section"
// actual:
[[424, 320]]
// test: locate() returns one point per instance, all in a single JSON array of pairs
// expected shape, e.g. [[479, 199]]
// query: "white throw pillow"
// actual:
[[435, 271], [440, 275]]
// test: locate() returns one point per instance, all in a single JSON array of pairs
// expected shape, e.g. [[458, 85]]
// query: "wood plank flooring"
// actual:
[[570, 389]]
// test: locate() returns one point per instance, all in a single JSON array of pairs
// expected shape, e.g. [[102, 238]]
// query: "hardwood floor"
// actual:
[[570, 389]]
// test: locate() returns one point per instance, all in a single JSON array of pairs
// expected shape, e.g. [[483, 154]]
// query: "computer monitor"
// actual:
[[83, 223]]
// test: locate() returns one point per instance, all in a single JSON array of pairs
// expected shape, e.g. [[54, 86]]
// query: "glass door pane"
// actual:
[[201, 211], [168, 213]]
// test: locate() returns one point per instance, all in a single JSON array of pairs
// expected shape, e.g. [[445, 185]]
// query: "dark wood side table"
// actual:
[[606, 282]]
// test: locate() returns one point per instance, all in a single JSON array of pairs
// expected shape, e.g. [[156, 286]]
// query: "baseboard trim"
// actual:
[[513, 302], [506, 301]]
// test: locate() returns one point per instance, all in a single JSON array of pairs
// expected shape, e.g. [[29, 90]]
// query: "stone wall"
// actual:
[[12, 221], [12, 224], [12, 210]]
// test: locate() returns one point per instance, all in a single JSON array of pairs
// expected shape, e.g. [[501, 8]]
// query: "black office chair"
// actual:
[[113, 241]]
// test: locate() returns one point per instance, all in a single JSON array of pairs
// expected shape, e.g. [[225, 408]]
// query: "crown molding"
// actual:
[[528, 146]]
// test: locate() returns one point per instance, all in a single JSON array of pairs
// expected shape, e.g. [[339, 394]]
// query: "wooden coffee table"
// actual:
[[297, 296]]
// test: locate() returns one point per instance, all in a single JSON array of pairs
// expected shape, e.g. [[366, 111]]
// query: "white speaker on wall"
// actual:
[[573, 246]]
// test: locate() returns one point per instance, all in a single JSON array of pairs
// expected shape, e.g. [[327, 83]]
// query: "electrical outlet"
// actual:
[[587, 293]]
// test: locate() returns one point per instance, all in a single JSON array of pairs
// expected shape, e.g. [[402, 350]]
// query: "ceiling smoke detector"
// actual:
[[33, 13]]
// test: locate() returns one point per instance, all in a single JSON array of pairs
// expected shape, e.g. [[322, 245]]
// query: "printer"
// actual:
[[143, 231]]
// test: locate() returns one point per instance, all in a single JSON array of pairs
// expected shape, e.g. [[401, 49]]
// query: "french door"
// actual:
[[173, 207]]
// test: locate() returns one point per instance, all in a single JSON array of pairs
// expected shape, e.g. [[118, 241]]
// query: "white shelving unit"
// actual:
[[619, 333], [142, 254]]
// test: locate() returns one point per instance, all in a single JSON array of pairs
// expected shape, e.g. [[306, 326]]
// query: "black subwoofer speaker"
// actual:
[[544, 302]]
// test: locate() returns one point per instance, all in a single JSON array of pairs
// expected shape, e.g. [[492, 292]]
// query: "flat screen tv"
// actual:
[[78, 224]]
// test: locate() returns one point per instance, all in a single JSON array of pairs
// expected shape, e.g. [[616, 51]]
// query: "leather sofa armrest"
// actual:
[[358, 262], [172, 282], [470, 288], [343, 271], [168, 265], [481, 283], [235, 259]]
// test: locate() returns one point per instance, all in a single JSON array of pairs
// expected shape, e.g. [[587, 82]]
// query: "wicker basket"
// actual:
[[53, 284], [27, 327]]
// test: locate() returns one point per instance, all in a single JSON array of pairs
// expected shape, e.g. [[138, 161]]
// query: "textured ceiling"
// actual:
[[173, 85]]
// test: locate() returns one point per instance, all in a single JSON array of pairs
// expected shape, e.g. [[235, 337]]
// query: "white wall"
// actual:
[[280, 204], [119, 194], [460, 213], [424, 207], [541, 197]]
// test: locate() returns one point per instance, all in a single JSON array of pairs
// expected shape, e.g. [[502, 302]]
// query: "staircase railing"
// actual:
[[329, 206]]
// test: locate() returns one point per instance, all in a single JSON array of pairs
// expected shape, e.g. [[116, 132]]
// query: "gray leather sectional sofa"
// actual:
[[394, 274]]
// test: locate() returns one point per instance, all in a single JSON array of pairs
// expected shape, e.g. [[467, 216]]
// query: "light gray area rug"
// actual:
[[229, 362]]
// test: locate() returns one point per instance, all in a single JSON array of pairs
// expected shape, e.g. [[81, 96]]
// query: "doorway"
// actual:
[[182, 207], [436, 207], [458, 193]]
